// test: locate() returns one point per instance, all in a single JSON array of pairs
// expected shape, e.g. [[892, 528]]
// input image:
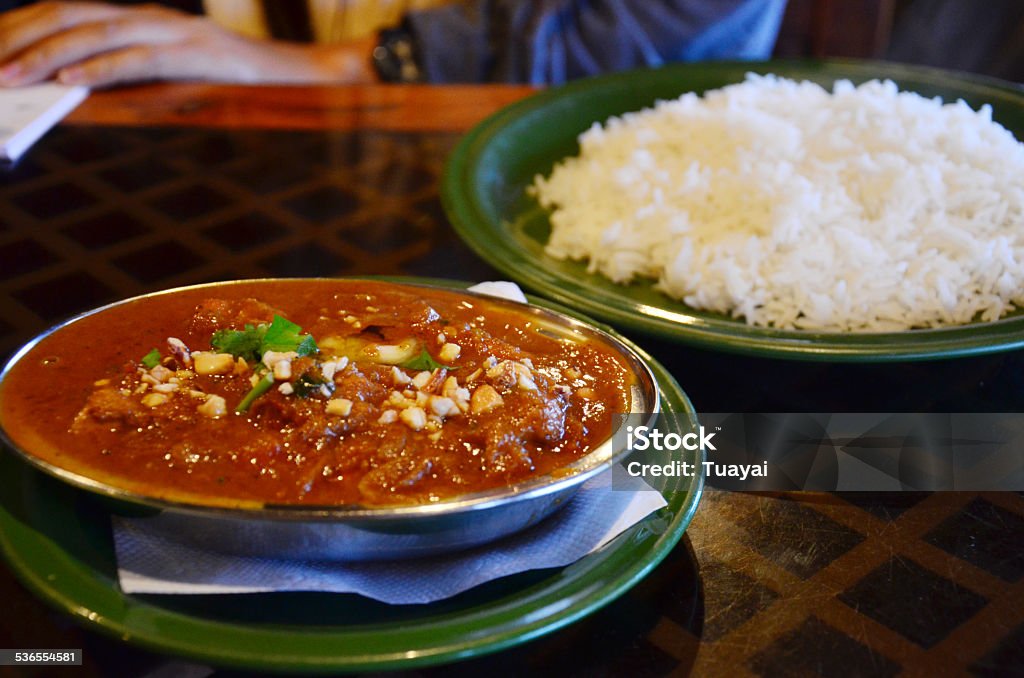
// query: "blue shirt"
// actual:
[[544, 42]]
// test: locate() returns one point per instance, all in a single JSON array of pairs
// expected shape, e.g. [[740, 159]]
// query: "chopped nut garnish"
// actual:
[[450, 386], [449, 352], [286, 388], [341, 407], [206, 362], [161, 373], [524, 377], [503, 375], [241, 367], [388, 417], [442, 406], [101, 382], [215, 406], [399, 400], [474, 375], [437, 377], [180, 351], [421, 379], [154, 399], [414, 417], [485, 398], [328, 369], [283, 370], [399, 376], [441, 338], [280, 363], [165, 388]]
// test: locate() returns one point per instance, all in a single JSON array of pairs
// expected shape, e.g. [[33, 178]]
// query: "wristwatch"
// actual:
[[394, 57]]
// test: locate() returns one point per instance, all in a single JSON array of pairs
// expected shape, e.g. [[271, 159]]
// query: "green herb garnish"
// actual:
[[245, 344], [151, 359], [284, 335], [309, 384], [252, 342], [261, 387], [423, 362]]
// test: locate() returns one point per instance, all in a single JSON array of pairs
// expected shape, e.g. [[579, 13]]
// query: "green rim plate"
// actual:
[[483, 192], [57, 540]]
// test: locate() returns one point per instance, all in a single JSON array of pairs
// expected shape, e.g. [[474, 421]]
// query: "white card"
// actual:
[[26, 113]]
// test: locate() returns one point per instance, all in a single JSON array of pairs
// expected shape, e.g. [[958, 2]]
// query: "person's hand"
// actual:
[[97, 44]]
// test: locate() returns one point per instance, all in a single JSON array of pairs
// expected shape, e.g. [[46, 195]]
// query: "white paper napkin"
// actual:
[[151, 562], [26, 113]]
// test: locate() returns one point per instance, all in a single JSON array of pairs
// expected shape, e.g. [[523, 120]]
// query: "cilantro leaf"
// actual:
[[251, 343], [245, 343], [423, 362], [284, 335], [151, 359]]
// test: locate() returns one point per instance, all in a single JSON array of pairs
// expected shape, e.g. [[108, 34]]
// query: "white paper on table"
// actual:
[[150, 560], [27, 113]]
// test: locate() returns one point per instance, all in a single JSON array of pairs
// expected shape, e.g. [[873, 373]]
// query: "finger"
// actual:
[[131, 64], [21, 28], [85, 41]]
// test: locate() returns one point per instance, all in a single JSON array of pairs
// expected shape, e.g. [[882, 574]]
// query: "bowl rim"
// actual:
[[645, 399]]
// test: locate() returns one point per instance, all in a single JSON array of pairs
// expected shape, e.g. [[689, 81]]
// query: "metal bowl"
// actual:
[[358, 533]]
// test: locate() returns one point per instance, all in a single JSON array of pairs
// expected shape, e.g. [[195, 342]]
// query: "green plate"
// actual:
[[484, 195], [57, 540]]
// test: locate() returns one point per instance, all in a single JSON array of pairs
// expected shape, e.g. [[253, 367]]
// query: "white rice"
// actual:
[[867, 209]]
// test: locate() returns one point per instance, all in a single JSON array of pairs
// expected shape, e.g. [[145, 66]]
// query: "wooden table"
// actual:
[[163, 185], [410, 108]]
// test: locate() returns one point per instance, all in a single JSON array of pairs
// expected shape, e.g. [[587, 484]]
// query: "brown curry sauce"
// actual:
[[81, 400]]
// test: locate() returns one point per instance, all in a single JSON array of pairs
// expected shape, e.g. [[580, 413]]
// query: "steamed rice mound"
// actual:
[[864, 209]]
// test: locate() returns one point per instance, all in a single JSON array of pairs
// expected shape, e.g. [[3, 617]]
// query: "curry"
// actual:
[[311, 393]]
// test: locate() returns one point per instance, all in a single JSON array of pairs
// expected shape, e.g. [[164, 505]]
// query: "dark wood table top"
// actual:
[[164, 185]]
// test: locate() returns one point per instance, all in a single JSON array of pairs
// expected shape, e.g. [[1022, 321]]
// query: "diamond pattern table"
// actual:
[[762, 584]]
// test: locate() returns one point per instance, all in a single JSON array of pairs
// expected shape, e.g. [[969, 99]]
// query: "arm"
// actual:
[[551, 41], [98, 44]]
